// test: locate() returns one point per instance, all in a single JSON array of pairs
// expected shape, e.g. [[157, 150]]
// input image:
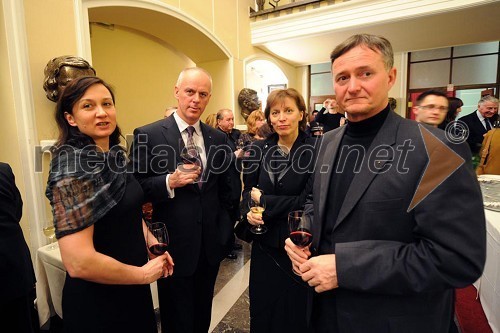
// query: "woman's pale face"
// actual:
[[95, 115], [285, 117]]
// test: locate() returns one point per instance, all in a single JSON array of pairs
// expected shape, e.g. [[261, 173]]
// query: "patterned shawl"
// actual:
[[83, 186]]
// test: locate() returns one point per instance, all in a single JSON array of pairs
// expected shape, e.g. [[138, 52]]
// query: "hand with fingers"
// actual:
[[320, 272], [185, 174], [161, 266]]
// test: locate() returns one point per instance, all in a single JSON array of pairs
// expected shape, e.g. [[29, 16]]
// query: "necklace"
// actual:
[[282, 151]]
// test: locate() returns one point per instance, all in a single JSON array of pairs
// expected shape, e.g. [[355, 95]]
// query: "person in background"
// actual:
[[390, 242], [329, 115], [280, 166], [169, 110], [263, 132], [311, 123], [211, 120], [454, 108], [192, 200], [254, 121], [480, 122], [96, 205], [431, 107], [17, 280], [225, 123], [490, 152]]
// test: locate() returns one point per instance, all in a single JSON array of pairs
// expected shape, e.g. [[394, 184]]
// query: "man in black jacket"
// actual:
[[225, 123]]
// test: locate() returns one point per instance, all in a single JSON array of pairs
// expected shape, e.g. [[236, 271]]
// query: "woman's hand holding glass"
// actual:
[[254, 216], [157, 241]]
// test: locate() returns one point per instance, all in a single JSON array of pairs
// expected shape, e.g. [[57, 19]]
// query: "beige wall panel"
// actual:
[[50, 29], [142, 70], [245, 47], [226, 26], [201, 10], [221, 90]]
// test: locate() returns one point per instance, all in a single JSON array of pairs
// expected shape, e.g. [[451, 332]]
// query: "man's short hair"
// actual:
[[220, 113], [373, 42], [487, 98], [431, 92]]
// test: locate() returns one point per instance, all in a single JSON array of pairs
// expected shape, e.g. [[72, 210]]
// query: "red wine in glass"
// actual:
[[301, 237], [157, 238], [299, 226], [158, 249]]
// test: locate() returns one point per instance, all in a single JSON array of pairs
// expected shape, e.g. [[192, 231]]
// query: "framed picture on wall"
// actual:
[[272, 87]]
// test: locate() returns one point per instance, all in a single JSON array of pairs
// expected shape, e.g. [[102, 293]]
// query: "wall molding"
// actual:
[[34, 190], [345, 15]]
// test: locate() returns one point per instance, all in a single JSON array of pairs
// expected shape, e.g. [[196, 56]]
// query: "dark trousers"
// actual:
[[186, 302], [16, 314]]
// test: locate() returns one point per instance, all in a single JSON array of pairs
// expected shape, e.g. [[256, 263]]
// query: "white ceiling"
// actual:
[[474, 21]]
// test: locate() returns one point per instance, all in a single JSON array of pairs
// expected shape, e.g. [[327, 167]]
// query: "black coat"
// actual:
[[283, 191], [476, 131], [17, 277], [193, 217]]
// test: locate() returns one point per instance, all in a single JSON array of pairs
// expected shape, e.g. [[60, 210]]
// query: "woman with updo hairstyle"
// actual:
[[96, 207]]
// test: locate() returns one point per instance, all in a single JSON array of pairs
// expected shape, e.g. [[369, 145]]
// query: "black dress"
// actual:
[[277, 295], [95, 307]]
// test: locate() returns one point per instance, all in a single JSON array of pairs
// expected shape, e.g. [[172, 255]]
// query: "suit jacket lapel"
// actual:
[[209, 142], [173, 137], [322, 176], [385, 137]]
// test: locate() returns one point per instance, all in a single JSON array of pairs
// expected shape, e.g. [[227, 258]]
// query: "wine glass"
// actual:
[[157, 238], [257, 208], [299, 225], [50, 232], [190, 154], [240, 144]]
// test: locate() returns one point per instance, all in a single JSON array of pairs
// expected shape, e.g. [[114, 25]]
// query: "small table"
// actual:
[[50, 275]]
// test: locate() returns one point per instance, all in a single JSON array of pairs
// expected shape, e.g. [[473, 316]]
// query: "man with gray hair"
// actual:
[[480, 121], [392, 237], [191, 199]]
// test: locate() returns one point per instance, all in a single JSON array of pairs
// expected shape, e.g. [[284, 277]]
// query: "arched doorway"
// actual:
[[263, 76]]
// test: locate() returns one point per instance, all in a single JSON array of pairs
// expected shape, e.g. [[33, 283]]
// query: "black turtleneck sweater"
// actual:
[[352, 150]]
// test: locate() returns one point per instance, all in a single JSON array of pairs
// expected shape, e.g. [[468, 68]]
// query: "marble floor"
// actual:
[[230, 312]]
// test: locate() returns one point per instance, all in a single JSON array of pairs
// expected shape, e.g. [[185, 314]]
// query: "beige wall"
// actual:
[[142, 70]]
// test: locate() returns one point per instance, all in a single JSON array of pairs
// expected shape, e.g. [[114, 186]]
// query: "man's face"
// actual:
[[227, 122], [432, 110], [488, 109], [192, 94], [362, 83]]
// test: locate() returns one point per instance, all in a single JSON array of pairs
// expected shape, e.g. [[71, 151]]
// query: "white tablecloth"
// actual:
[[50, 274], [489, 286]]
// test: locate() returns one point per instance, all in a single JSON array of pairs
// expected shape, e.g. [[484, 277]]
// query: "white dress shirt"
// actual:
[[198, 140]]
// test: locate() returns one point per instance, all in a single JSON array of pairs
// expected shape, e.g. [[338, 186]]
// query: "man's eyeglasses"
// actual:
[[434, 107]]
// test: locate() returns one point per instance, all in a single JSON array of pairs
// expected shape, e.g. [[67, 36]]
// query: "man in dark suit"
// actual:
[[480, 121], [225, 123], [17, 279], [392, 236], [191, 200]]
